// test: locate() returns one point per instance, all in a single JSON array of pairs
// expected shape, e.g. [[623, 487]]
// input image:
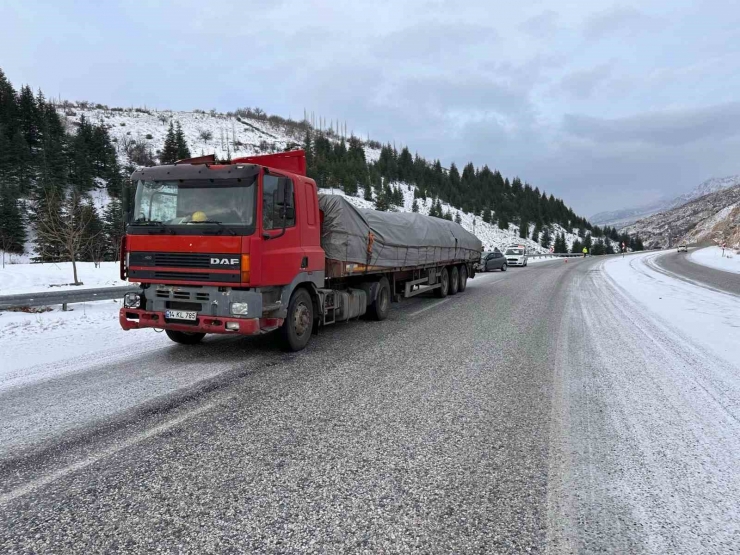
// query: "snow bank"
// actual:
[[34, 345], [33, 278], [713, 258], [707, 317]]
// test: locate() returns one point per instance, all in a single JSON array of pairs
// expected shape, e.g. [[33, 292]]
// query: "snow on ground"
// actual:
[[708, 317], [713, 257], [33, 278], [48, 344]]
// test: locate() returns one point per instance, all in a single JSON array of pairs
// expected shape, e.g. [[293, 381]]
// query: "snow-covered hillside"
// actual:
[[242, 136], [205, 132], [489, 234]]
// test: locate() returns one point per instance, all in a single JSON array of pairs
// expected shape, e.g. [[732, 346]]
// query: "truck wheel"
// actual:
[[463, 278], [454, 280], [382, 304], [444, 279], [296, 329], [185, 338]]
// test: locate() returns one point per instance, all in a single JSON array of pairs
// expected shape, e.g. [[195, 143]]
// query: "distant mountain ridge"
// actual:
[[713, 217], [628, 216]]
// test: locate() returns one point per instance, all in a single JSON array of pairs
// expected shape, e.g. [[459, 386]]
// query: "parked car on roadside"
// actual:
[[490, 261], [683, 248], [516, 255]]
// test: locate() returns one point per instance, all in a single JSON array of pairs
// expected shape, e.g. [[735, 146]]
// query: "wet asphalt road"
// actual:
[[679, 265], [489, 422]]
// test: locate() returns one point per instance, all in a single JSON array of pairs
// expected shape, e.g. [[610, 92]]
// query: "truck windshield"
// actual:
[[516, 252], [226, 202]]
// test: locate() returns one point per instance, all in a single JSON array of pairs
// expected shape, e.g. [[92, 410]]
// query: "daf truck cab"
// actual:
[[516, 255]]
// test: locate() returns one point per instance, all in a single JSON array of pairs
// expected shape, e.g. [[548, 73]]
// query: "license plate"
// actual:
[[180, 315]]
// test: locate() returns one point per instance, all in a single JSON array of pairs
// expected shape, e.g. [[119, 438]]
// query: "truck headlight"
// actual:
[[131, 300], [239, 309]]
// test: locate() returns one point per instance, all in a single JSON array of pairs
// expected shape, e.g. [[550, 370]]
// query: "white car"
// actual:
[[683, 248], [516, 255]]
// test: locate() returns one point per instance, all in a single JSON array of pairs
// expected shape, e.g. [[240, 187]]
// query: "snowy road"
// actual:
[[587, 406]]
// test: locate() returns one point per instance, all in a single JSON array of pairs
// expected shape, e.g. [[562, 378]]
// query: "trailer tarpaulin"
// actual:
[[391, 239]]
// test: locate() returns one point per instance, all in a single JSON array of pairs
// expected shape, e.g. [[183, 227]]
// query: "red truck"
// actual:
[[249, 246]]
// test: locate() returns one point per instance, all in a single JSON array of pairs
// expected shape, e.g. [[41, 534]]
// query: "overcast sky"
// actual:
[[605, 104]]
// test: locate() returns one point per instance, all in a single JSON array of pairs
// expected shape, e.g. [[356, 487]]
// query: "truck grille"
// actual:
[[182, 260]]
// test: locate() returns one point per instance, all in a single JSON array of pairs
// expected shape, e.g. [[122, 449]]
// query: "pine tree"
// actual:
[[486, 215], [523, 228], [170, 149], [415, 206], [12, 225], [183, 151], [546, 238], [114, 228], [458, 218], [503, 221], [576, 247], [381, 202]]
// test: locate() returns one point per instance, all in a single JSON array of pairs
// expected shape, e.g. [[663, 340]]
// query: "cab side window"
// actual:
[[278, 202]]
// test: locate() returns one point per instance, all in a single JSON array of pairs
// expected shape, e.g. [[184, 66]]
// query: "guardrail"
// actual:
[[557, 255], [68, 296]]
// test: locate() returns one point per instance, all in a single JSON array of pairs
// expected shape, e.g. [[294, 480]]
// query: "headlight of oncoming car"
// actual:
[[131, 300], [239, 309]]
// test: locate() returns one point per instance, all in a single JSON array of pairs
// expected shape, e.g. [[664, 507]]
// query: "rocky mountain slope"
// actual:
[[714, 217], [628, 216]]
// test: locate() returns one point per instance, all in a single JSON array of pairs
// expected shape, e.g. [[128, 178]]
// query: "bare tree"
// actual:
[[205, 135], [61, 221]]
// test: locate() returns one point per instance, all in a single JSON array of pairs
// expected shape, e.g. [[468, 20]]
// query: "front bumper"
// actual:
[[515, 262], [135, 318]]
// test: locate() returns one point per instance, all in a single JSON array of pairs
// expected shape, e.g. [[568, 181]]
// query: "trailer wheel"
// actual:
[[382, 305], [454, 280], [296, 329], [463, 278], [185, 338], [444, 280]]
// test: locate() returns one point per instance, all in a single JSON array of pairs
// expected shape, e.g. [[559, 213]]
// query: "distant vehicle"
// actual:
[[490, 261], [683, 248], [516, 255]]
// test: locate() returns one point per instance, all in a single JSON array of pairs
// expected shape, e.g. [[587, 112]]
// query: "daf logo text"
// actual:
[[225, 261]]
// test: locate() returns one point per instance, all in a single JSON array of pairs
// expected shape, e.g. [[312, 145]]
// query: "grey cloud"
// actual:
[[434, 41], [542, 25], [666, 128], [616, 19], [582, 84]]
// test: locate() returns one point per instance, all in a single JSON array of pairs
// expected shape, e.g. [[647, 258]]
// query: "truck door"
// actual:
[[281, 243]]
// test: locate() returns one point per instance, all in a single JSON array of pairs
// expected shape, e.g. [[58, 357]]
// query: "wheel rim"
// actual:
[[301, 318]]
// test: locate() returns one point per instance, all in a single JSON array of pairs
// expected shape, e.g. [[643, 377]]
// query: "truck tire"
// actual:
[[454, 280], [463, 272], [185, 338], [444, 280], [381, 306], [297, 328]]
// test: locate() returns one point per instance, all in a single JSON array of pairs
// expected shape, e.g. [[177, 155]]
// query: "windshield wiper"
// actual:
[[157, 223], [221, 227]]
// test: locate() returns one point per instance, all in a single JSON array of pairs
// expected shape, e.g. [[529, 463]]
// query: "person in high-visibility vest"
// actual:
[[585, 252]]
